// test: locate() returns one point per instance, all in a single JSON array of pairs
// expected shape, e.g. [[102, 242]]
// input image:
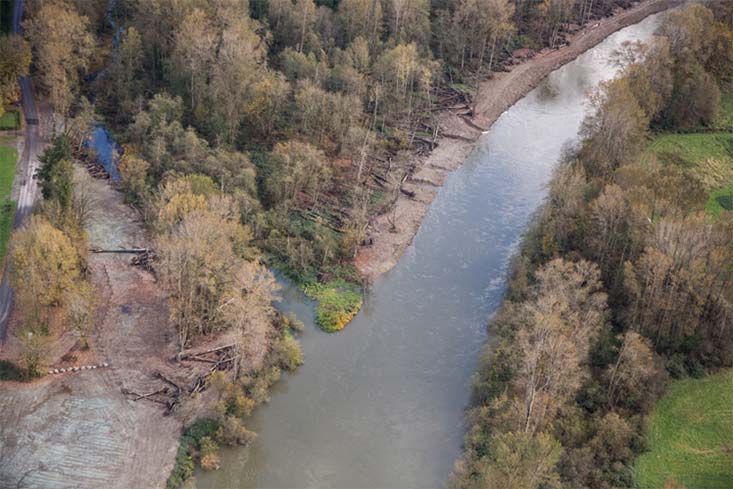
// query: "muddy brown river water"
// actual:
[[381, 404]]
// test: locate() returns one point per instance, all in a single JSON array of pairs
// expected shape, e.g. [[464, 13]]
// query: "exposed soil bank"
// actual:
[[458, 136]]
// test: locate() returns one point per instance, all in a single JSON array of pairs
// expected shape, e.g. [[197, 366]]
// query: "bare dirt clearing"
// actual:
[[78, 429]]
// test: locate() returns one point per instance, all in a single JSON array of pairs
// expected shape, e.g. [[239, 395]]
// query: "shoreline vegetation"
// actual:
[[460, 130], [621, 284], [281, 132]]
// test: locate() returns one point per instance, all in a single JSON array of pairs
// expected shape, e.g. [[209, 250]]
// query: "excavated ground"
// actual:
[[79, 429]]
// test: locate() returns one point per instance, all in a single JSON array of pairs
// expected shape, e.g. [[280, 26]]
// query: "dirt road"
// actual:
[[459, 136]]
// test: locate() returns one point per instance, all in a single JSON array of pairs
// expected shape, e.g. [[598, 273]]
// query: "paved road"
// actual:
[[27, 164]]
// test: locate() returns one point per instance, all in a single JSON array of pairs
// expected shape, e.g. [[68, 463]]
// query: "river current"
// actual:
[[381, 403]]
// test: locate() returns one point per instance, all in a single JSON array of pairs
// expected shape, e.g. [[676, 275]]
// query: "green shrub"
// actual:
[[10, 371], [286, 352], [190, 443], [338, 303]]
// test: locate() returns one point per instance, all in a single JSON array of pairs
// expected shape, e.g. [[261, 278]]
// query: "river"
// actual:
[[381, 404]]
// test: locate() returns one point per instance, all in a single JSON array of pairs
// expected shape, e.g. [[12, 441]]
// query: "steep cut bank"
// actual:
[[459, 134]]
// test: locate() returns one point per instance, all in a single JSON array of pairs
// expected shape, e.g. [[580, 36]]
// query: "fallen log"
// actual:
[[185, 356], [164, 390], [121, 250]]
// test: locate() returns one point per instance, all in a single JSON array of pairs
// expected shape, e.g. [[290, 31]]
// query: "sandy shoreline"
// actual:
[[458, 137]]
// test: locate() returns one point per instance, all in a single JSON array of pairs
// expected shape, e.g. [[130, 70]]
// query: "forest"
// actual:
[[623, 282], [304, 116], [266, 134]]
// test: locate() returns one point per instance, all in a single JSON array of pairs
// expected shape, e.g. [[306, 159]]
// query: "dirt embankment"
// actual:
[[78, 429], [459, 135]]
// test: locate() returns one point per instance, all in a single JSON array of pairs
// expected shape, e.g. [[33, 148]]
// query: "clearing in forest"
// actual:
[[691, 436], [706, 155]]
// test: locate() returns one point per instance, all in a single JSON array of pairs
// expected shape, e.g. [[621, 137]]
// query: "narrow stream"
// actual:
[[381, 404]]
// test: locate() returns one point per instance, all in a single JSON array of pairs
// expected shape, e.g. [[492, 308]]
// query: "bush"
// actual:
[[338, 304], [209, 456], [233, 432], [10, 371], [190, 442], [286, 352]]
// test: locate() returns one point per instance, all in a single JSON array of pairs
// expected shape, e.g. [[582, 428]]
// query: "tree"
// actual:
[[80, 126], [674, 288], [133, 175], [239, 61], [79, 304], [405, 79], [126, 74], [56, 173], [15, 59], [204, 265], [650, 76], [615, 131], [695, 99], [477, 26], [45, 268], [408, 21], [359, 19], [62, 46], [266, 107], [195, 44], [291, 20], [298, 168], [522, 461], [324, 114], [554, 332], [630, 377]]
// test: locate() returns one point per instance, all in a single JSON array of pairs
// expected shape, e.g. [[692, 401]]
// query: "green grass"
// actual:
[[691, 436], [720, 200], [707, 157], [688, 149], [338, 303], [8, 157], [9, 120]]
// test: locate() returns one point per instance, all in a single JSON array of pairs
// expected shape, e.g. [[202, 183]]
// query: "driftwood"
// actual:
[[144, 260], [120, 250], [170, 404], [96, 170], [457, 136], [147, 396], [186, 356]]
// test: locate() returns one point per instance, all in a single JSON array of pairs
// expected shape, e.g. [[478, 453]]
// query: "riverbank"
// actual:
[[459, 134]]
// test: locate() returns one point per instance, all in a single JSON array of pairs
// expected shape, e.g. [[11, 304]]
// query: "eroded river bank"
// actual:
[[381, 404]]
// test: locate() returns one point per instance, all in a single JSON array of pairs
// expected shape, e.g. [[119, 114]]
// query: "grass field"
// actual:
[[691, 436], [8, 157], [10, 119]]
